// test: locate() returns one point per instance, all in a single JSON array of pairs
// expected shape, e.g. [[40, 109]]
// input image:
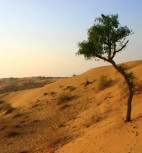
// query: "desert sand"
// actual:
[[90, 120]]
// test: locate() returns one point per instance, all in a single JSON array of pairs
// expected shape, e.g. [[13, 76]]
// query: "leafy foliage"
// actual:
[[105, 38]]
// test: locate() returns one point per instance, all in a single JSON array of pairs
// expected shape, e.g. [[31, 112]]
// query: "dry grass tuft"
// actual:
[[6, 107], [12, 134], [104, 82], [63, 97], [70, 88]]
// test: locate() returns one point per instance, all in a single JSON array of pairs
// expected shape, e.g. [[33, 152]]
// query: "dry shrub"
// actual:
[[64, 97], [4, 107], [87, 83], [97, 118], [104, 82], [52, 93], [60, 141], [10, 110], [94, 119], [45, 94], [64, 107], [70, 88], [12, 134]]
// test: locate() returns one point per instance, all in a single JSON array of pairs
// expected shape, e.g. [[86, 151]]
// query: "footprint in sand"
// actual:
[[136, 135]]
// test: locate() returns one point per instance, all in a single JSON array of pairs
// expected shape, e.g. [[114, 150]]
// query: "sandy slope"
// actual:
[[92, 121]]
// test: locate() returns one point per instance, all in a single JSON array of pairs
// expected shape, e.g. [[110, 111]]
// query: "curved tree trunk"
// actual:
[[130, 87], [129, 108]]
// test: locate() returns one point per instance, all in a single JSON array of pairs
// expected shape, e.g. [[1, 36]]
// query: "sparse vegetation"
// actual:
[[64, 107], [61, 141], [70, 88], [64, 97], [45, 94], [104, 82], [12, 134], [52, 93], [10, 110], [16, 84], [87, 83], [5, 107], [97, 118]]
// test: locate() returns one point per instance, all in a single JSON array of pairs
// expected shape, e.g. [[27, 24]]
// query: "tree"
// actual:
[[106, 38]]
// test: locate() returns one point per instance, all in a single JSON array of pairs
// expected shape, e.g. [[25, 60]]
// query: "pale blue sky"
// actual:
[[40, 37]]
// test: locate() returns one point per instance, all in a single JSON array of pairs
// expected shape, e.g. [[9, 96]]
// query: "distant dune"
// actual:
[[80, 114], [15, 84]]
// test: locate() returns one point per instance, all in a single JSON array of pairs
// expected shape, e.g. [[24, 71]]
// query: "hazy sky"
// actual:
[[40, 37]]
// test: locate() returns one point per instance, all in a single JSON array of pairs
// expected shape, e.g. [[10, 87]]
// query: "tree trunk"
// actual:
[[129, 108], [130, 87]]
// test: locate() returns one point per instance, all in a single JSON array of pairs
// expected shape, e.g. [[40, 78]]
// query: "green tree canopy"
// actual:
[[105, 38]]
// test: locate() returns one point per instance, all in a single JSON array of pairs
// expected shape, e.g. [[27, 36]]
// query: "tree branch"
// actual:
[[116, 51], [101, 57]]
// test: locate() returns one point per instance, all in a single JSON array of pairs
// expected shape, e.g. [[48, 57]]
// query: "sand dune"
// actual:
[[73, 115], [16, 84]]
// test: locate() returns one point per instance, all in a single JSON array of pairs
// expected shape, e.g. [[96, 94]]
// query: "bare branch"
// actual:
[[101, 57], [116, 51]]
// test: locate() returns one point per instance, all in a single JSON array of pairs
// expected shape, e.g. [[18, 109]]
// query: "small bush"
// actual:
[[104, 82], [97, 118], [12, 134], [63, 97], [70, 88], [10, 110], [87, 83], [52, 93], [45, 94], [5, 107]]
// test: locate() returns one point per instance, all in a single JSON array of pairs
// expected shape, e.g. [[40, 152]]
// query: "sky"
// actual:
[[40, 37]]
